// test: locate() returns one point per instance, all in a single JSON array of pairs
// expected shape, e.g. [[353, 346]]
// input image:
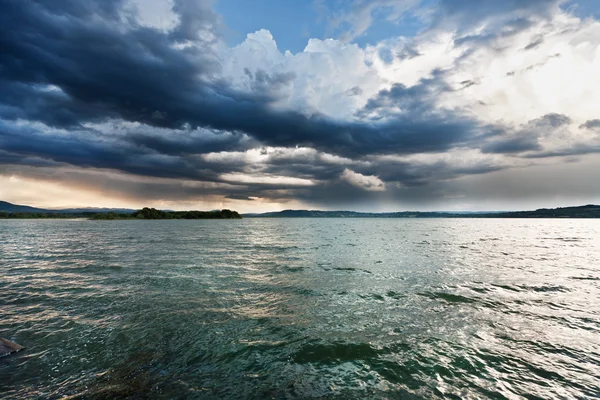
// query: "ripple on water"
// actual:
[[337, 308]]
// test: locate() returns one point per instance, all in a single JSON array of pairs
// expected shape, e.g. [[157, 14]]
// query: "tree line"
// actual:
[[144, 213]]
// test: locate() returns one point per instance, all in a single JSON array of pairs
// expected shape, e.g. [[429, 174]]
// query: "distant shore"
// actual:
[[145, 213], [587, 211], [25, 212]]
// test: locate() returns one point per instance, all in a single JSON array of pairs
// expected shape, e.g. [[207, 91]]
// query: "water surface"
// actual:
[[301, 308]]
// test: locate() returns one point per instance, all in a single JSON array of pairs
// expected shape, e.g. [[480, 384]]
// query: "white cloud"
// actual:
[[328, 77], [500, 77], [267, 154], [515, 85], [366, 182], [359, 15], [266, 179], [496, 79]]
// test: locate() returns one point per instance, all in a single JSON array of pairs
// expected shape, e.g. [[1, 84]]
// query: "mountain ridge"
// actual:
[[584, 211], [5, 206]]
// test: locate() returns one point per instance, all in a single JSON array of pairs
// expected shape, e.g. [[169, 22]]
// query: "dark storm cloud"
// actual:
[[62, 67], [44, 103], [410, 174], [528, 137], [321, 171], [122, 186], [526, 141], [413, 111], [311, 165], [75, 65], [576, 149], [268, 84], [87, 149], [7, 158], [417, 99], [197, 22], [184, 142], [102, 71]]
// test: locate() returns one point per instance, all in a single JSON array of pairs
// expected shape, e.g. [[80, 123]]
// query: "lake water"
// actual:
[[301, 308]]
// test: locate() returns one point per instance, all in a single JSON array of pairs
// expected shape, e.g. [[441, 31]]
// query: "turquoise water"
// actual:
[[301, 308]]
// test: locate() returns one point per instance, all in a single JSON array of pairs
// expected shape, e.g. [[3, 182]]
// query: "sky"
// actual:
[[381, 105]]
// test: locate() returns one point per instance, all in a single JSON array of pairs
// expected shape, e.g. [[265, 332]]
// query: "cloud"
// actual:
[[518, 143], [469, 16], [355, 18], [197, 22], [590, 124], [104, 86], [103, 73], [537, 42], [279, 181], [528, 137], [368, 183], [239, 197]]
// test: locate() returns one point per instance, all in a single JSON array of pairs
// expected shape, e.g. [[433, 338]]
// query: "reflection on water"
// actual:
[[310, 308]]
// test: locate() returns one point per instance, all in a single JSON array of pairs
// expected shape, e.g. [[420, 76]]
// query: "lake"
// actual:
[[301, 308]]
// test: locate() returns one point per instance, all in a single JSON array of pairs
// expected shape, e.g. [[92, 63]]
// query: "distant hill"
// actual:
[[587, 211], [342, 214], [16, 208], [9, 207], [15, 211]]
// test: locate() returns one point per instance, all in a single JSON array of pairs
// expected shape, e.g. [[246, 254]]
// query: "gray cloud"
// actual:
[[197, 22], [407, 52], [591, 124], [70, 68], [522, 142], [354, 91], [466, 13], [527, 138], [536, 43], [138, 75], [553, 120], [357, 16]]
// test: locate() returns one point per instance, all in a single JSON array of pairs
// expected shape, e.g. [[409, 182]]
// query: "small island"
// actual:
[[153, 213]]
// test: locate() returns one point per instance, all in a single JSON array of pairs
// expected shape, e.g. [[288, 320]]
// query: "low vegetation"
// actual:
[[145, 213], [588, 211]]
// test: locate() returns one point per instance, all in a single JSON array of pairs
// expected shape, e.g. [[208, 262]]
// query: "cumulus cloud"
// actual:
[[108, 87], [368, 183]]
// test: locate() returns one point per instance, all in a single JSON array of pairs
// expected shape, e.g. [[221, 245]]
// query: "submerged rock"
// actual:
[[8, 346]]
